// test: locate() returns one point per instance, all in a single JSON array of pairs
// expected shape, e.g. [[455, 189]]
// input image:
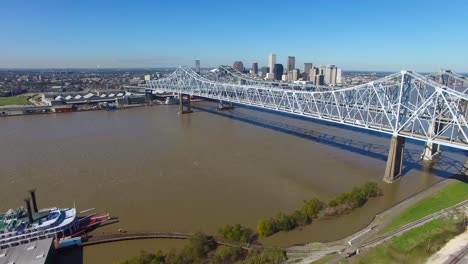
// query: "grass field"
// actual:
[[16, 100], [451, 195], [415, 246]]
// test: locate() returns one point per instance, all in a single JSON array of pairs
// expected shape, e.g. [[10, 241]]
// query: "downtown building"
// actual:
[[238, 66]]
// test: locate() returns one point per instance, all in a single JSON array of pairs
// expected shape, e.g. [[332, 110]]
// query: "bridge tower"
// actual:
[[184, 104]]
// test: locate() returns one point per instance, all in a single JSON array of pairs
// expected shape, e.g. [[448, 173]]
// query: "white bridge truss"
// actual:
[[403, 104]]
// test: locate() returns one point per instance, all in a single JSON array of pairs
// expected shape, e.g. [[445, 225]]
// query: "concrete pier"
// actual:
[[184, 105], [225, 106], [431, 150], [395, 159]]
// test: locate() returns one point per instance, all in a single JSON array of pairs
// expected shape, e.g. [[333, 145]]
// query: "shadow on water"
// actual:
[[72, 255], [445, 166]]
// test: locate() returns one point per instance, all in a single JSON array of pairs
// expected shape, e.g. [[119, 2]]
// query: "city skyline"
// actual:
[[421, 35]]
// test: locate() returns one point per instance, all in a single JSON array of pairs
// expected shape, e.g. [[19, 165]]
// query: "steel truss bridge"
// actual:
[[432, 108]]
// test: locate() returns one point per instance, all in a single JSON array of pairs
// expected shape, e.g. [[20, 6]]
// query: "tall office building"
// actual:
[[338, 76], [265, 70], [278, 71], [307, 67], [255, 68], [295, 74], [291, 63], [238, 66], [312, 73], [319, 79], [197, 66], [272, 62]]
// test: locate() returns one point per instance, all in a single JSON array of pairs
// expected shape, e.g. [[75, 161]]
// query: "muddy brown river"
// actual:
[[160, 171]]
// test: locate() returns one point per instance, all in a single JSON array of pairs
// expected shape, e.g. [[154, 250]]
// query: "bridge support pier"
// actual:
[[188, 108], [225, 106], [432, 150], [395, 159], [465, 168]]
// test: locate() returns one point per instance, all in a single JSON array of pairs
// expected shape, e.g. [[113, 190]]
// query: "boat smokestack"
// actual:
[[28, 205], [33, 198]]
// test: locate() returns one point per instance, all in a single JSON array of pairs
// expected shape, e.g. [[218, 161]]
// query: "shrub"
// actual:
[[265, 228], [236, 233], [312, 208], [225, 254], [284, 222]]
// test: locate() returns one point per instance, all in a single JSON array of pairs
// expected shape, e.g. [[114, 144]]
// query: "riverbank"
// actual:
[[398, 215]]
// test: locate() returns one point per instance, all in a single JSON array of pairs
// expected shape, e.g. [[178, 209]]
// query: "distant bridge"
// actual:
[[404, 105]]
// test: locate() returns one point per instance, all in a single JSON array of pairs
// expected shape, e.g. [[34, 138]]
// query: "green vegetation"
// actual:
[[268, 256], [415, 246], [312, 209], [203, 249], [14, 100], [236, 233], [449, 196]]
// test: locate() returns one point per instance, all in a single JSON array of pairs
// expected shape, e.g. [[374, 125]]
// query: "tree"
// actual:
[[225, 254], [265, 228], [284, 222], [199, 246], [311, 208]]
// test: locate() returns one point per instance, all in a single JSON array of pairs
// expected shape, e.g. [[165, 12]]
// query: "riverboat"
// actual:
[[21, 226]]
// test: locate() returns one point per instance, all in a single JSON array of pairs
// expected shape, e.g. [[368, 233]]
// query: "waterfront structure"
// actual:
[[278, 71], [255, 68], [197, 66], [272, 62], [238, 66], [35, 252], [291, 63], [411, 107]]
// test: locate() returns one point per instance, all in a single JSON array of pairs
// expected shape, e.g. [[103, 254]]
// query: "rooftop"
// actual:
[[36, 252]]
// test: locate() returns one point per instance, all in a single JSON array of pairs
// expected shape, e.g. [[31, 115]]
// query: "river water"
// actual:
[[160, 171]]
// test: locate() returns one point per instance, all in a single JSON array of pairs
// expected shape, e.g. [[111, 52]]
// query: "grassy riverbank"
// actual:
[[415, 246], [15, 100], [449, 196]]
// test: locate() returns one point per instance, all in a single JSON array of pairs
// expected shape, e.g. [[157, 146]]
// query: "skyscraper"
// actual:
[[238, 66], [307, 67], [255, 68], [291, 63], [265, 70], [278, 71], [338, 76], [197, 66], [272, 62]]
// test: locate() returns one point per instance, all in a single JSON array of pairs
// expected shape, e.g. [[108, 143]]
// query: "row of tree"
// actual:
[[314, 208], [203, 249]]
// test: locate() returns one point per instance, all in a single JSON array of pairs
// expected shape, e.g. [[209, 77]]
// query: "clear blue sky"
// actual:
[[421, 35]]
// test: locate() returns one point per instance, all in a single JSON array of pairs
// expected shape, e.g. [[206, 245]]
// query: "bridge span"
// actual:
[[404, 105]]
